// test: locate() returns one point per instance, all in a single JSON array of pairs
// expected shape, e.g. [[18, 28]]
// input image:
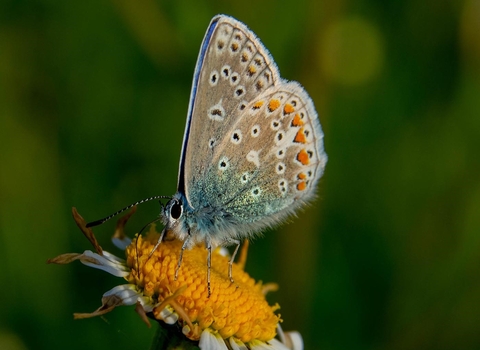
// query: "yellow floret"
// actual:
[[236, 309]]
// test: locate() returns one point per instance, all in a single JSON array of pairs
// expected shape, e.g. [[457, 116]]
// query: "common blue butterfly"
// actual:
[[253, 146]]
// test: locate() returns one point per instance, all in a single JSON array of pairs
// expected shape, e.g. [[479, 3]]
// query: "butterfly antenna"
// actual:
[[101, 221]]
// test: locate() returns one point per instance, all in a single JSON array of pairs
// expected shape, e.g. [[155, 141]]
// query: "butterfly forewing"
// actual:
[[225, 87]]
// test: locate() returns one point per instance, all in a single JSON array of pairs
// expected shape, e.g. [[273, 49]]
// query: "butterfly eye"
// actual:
[[176, 210]]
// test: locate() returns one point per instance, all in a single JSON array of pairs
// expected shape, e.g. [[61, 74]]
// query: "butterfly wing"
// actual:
[[217, 92], [253, 145]]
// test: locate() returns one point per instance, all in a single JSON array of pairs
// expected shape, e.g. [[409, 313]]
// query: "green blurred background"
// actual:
[[93, 100]]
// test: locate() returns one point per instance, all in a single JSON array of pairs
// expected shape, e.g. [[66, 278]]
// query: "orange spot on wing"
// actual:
[[297, 121], [288, 109], [258, 104], [303, 157], [302, 176], [300, 136], [273, 105], [301, 186], [252, 70]]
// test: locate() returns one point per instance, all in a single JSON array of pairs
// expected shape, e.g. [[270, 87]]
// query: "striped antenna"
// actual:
[[101, 221]]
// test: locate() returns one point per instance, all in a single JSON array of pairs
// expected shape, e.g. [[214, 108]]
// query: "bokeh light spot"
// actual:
[[351, 51], [470, 31]]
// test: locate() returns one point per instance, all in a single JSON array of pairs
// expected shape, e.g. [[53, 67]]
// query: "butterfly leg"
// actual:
[[230, 263], [160, 239], [209, 264], [184, 246]]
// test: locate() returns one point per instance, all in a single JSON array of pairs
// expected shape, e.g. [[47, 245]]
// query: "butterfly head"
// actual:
[[173, 215]]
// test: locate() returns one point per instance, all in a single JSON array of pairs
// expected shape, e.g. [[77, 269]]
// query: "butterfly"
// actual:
[[252, 151]]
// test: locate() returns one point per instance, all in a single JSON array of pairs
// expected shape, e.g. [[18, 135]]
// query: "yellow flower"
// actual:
[[234, 316]]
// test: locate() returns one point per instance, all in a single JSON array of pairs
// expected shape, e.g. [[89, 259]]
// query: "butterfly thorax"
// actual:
[[205, 223]]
